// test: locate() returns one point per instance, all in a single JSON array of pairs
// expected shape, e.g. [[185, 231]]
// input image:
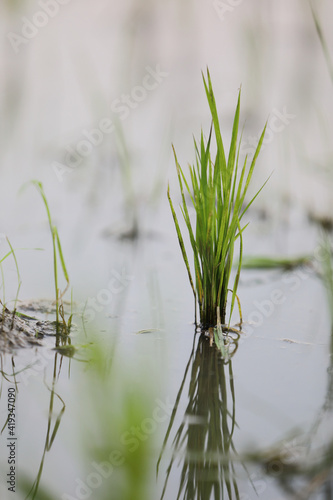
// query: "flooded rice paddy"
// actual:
[[131, 402]]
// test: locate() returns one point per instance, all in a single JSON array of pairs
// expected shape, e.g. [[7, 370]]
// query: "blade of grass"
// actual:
[[56, 245], [19, 281], [181, 242], [323, 42]]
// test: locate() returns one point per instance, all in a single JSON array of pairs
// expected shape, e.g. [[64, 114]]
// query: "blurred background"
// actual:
[[92, 96], [69, 68]]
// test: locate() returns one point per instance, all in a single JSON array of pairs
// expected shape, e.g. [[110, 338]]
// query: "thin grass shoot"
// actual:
[[57, 252]]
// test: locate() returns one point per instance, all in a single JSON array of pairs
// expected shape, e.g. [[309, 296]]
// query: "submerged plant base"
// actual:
[[224, 338]]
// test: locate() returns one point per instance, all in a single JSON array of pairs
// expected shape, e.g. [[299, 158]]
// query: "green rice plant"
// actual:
[[217, 190], [57, 251]]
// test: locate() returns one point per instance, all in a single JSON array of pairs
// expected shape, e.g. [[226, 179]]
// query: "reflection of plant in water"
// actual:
[[51, 432], [205, 436], [24, 485]]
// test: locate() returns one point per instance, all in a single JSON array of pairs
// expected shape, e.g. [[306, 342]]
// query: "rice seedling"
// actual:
[[217, 190], [57, 255]]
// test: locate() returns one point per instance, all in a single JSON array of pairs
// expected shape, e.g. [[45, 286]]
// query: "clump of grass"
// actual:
[[217, 190], [57, 255]]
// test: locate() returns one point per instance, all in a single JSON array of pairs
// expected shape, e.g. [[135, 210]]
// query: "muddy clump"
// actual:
[[17, 331]]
